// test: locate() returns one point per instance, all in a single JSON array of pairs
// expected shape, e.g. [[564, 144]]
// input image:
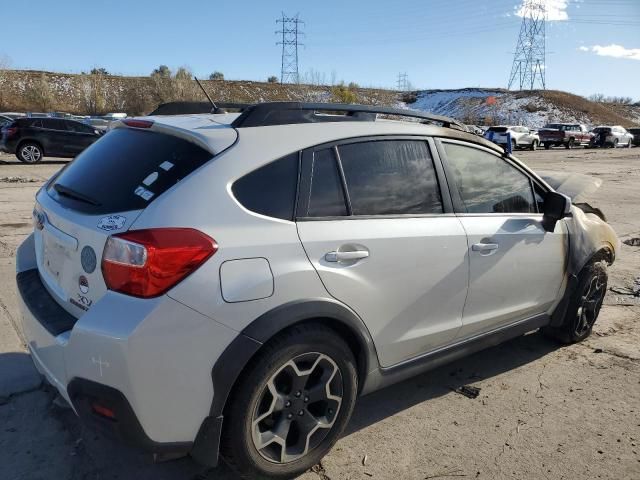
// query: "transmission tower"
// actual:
[[403, 82], [290, 33], [529, 64]]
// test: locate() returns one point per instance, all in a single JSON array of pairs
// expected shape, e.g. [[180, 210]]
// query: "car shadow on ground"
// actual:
[[37, 432], [6, 161]]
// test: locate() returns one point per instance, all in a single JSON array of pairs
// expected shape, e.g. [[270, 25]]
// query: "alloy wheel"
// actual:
[[590, 303], [30, 153], [297, 407]]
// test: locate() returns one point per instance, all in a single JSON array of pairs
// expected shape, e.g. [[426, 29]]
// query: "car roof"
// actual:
[[214, 131]]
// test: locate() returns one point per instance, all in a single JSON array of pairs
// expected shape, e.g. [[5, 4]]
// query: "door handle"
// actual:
[[349, 256], [484, 247]]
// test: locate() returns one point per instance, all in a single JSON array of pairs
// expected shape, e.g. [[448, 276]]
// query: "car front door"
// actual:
[[80, 136], [516, 268], [385, 242]]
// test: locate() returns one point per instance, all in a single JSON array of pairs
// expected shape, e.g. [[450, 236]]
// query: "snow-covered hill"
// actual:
[[533, 109]]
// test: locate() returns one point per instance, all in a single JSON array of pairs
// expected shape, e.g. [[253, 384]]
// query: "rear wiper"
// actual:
[[68, 192]]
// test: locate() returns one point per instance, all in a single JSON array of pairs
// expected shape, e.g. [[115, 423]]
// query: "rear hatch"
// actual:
[[100, 193]]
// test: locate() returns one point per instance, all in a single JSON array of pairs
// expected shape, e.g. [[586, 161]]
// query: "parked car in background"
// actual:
[[566, 135], [636, 136], [476, 130], [12, 115], [30, 139], [5, 121], [521, 137], [611, 136]]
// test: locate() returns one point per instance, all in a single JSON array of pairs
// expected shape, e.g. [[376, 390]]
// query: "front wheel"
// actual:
[[584, 305], [629, 144], [291, 404], [534, 145], [29, 153]]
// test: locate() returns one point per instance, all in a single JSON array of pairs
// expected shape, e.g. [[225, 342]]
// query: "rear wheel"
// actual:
[[534, 145], [569, 145], [29, 152], [584, 305], [291, 405], [514, 145], [615, 143]]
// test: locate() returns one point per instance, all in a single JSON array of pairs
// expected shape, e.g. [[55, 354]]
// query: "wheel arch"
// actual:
[[231, 364]]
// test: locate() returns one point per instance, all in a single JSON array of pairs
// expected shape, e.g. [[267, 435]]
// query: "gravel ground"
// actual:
[[544, 411]]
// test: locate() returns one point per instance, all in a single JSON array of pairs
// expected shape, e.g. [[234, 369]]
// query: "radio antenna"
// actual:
[[214, 108]]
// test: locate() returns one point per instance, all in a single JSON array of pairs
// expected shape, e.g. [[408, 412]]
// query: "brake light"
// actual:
[[138, 123], [10, 131], [103, 411], [147, 263]]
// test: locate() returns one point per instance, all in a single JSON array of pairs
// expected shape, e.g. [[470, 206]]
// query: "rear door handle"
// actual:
[[349, 256], [484, 247]]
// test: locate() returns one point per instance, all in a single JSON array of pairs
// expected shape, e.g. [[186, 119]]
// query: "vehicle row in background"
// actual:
[[611, 136], [566, 135]]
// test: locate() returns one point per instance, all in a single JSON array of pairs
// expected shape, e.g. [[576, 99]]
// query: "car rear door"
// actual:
[[516, 268], [384, 240], [55, 136]]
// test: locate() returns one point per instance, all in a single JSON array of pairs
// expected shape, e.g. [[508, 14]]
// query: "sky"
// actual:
[[593, 45]]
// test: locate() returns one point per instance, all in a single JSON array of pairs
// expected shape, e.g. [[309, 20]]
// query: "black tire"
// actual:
[[629, 144], [584, 305], [29, 152], [514, 145], [534, 145], [615, 143], [547, 145], [569, 145], [249, 403]]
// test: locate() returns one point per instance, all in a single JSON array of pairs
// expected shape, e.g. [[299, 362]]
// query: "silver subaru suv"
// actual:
[[228, 284]]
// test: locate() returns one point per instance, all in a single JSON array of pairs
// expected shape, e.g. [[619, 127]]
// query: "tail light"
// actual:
[[147, 263], [138, 123], [10, 131]]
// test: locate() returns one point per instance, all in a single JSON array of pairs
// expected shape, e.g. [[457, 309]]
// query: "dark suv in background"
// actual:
[[30, 139]]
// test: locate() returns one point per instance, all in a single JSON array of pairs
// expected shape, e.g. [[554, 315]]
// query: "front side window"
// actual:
[[390, 177], [487, 183]]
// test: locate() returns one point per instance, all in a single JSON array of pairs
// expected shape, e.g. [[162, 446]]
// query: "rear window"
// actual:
[[602, 130], [498, 129], [125, 170]]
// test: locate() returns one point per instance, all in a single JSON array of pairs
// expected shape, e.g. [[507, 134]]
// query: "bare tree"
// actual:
[[39, 94], [93, 94]]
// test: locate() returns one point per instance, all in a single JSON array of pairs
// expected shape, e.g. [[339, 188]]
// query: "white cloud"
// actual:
[[613, 50], [556, 9]]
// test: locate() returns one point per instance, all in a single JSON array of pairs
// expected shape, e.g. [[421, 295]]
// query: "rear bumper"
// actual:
[[148, 360]]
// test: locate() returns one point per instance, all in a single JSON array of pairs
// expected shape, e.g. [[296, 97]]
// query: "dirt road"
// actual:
[[544, 411]]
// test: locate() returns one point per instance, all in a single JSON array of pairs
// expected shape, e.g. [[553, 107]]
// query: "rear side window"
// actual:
[[326, 197], [125, 170], [390, 177], [488, 184], [271, 189]]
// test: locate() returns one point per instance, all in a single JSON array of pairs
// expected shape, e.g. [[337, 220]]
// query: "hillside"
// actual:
[[97, 94], [531, 108]]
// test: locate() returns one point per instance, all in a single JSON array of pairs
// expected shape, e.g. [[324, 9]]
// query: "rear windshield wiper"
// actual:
[[68, 192]]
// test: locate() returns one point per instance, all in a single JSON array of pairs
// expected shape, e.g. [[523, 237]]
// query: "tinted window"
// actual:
[[36, 124], [78, 127], [392, 177], [270, 190], [125, 170], [488, 184], [326, 198], [53, 124]]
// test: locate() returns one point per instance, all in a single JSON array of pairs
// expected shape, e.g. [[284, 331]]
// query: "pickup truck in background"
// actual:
[[564, 134]]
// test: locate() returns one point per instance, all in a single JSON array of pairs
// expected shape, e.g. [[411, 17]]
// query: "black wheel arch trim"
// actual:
[[237, 355]]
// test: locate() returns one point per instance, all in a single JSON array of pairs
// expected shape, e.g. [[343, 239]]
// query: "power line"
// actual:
[[529, 60], [290, 32]]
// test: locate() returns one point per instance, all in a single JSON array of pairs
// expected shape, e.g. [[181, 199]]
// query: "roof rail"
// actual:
[[185, 108], [283, 113]]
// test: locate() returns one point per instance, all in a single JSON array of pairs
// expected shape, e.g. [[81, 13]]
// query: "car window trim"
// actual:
[[458, 204], [306, 170]]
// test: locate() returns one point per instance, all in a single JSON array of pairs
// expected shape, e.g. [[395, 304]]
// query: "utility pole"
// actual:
[[403, 82], [529, 60], [290, 31]]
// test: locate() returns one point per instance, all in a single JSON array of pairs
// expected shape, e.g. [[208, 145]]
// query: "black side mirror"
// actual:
[[556, 207]]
